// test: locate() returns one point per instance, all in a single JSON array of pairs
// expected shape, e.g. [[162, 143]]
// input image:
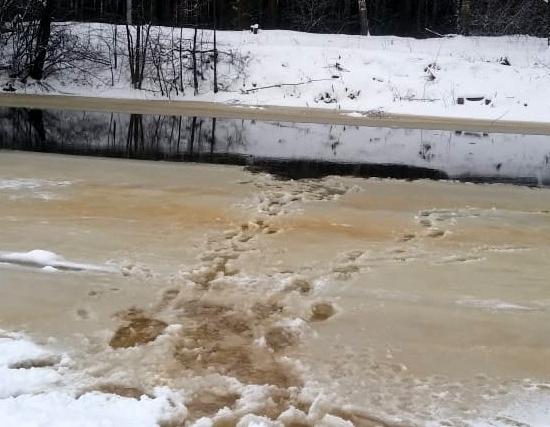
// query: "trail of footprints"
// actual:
[[439, 222], [246, 334], [239, 333]]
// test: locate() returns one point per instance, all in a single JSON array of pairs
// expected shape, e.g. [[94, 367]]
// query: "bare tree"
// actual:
[[137, 38], [310, 15], [138, 30]]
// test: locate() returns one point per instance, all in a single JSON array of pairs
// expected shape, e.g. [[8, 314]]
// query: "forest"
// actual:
[[418, 18]]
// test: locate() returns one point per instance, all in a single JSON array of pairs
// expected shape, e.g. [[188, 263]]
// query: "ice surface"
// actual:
[[44, 189], [30, 184]]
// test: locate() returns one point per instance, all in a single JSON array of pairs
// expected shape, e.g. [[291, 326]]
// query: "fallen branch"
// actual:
[[418, 99], [434, 32], [246, 91]]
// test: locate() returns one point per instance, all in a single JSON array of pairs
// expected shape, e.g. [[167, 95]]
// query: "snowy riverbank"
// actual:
[[500, 78]]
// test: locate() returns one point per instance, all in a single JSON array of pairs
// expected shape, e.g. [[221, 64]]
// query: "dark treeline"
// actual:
[[398, 17]]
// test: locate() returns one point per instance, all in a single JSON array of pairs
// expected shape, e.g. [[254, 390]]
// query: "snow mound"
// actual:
[[59, 409], [50, 261], [14, 350], [36, 391]]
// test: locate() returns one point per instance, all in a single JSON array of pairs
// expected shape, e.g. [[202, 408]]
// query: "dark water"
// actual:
[[285, 149]]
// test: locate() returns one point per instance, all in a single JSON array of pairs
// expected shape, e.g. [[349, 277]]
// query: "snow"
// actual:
[[92, 409], [392, 74], [17, 382], [49, 262], [51, 396], [14, 350], [45, 396]]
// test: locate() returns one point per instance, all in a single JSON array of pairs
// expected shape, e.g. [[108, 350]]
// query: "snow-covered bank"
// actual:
[[501, 78]]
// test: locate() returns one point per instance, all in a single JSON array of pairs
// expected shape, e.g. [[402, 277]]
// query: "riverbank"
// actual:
[[270, 113], [494, 79]]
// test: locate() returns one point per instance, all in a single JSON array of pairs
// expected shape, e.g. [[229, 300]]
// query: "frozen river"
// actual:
[[208, 294]]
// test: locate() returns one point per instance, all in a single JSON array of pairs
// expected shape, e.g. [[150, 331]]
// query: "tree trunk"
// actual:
[[214, 11], [194, 56], [42, 40], [363, 16], [129, 12], [465, 17]]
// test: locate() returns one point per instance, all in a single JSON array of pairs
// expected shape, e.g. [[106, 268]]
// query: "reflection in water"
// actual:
[[285, 149]]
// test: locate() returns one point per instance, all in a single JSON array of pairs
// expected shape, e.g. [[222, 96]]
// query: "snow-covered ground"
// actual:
[[510, 76]]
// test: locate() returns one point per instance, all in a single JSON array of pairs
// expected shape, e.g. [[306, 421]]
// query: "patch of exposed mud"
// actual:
[[46, 361], [206, 402], [221, 339], [121, 390], [139, 330], [322, 311]]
